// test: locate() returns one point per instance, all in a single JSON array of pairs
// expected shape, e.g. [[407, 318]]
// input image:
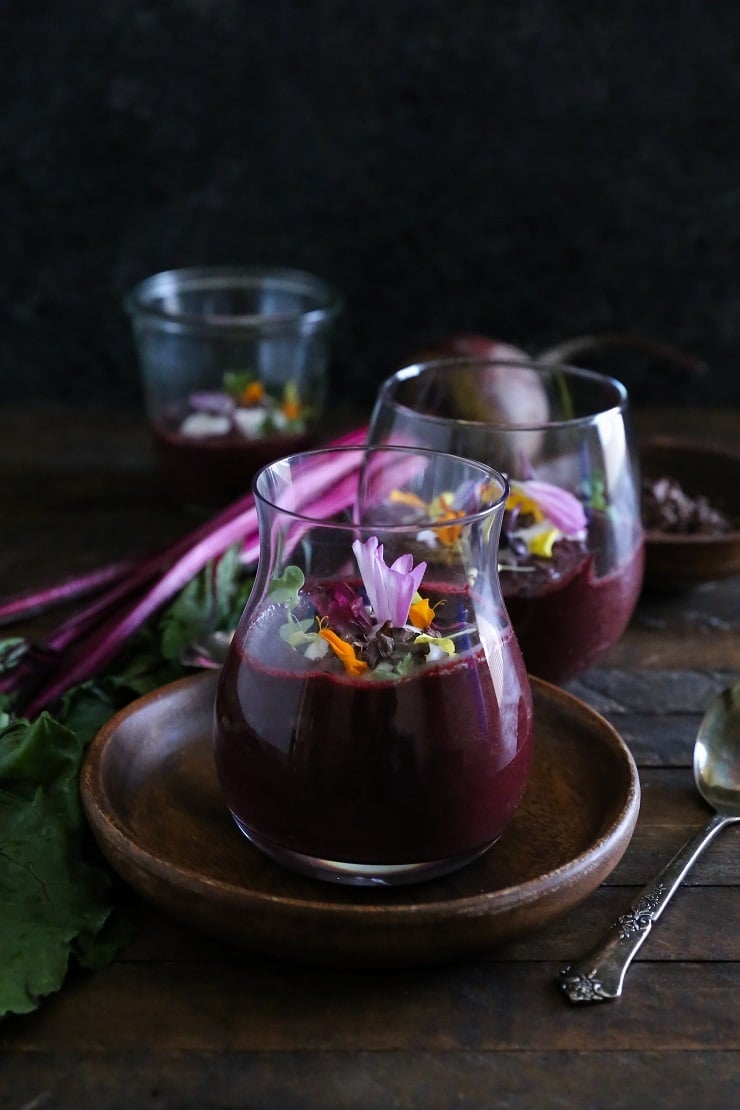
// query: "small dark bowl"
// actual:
[[674, 561]]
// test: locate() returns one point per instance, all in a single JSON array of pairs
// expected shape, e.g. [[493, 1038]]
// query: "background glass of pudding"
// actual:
[[571, 552], [373, 719], [234, 363]]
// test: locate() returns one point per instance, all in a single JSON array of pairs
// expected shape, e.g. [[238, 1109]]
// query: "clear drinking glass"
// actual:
[[373, 720], [234, 364], [571, 551]]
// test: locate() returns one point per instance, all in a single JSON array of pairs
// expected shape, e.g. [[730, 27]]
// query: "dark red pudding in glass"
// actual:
[[214, 470], [565, 615], [372, 769]]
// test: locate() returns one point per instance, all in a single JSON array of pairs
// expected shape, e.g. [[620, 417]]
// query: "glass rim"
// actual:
[[418, 369], [487, 472], [137, 301]]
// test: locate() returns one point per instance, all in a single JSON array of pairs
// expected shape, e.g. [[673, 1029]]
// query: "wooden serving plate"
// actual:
[[151, 795]]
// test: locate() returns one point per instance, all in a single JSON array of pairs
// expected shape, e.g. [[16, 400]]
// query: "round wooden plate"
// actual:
[[151, 795]]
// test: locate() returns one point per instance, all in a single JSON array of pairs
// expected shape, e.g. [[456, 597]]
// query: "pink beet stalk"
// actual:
[[147, 569], [332, 501], [31, 603], [96, 635], [107, 641]]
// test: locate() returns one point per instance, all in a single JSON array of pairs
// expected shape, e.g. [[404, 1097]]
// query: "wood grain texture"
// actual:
[[266, 1006], [303, 1080]]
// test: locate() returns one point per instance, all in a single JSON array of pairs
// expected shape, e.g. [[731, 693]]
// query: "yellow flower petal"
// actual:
[[519, 500], [445, 643], [403, 497], [542, 543]]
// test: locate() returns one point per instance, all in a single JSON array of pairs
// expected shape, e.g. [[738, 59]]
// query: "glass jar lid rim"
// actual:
[[142, 299]]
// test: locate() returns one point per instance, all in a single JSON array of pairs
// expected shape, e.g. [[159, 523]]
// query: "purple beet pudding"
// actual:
[[396, 755], [565, 616], [213, 470], [568, 594], [209, 453]]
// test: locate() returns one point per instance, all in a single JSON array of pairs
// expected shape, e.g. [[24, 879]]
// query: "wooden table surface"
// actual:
[[180, 1021]]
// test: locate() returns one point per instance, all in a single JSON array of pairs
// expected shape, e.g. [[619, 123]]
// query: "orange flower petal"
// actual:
[[252, 393], [450, 534], [344, 651], [291, 410], [421, 613]]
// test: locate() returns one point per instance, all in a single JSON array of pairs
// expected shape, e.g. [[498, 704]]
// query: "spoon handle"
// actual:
[[600, 976]]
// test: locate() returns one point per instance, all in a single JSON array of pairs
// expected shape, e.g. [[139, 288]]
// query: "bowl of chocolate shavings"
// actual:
[[690, 512]]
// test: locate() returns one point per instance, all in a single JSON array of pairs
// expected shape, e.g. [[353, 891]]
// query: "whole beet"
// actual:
[[502, 392]]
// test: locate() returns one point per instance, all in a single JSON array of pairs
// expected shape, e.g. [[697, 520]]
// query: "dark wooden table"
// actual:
[[178, 1020]]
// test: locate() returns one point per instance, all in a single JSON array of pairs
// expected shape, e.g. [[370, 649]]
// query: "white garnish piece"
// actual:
[[250, 421], [428, 537], [317, 649], [435, 653], [200, 425]]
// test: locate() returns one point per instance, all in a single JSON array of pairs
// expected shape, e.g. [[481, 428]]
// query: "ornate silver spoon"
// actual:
[[600, 975]]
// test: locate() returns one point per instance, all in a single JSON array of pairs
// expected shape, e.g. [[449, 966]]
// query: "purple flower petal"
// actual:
[[467, 496], [414, 574], [216, 404], [389, 589], [559, 506], [343, 608], [367, 557], [404, 564]]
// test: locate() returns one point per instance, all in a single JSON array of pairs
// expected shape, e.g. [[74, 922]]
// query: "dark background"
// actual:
[[529, 170]]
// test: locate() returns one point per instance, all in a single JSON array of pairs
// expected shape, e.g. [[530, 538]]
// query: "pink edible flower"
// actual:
[[390, 589], [215, 404], [559, 506]]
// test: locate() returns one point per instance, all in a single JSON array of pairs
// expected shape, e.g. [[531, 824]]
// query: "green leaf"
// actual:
[[296, 632], [285, 589], [405, 665], [594, 490], [235, 383], [214, 599], [12, 651], [57, 894], [54, 898]]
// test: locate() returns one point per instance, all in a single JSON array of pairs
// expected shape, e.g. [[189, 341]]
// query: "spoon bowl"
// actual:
[[600, 976], [717, 753]]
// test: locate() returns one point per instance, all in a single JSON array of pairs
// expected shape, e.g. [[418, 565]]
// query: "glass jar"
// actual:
[[234, 363]]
